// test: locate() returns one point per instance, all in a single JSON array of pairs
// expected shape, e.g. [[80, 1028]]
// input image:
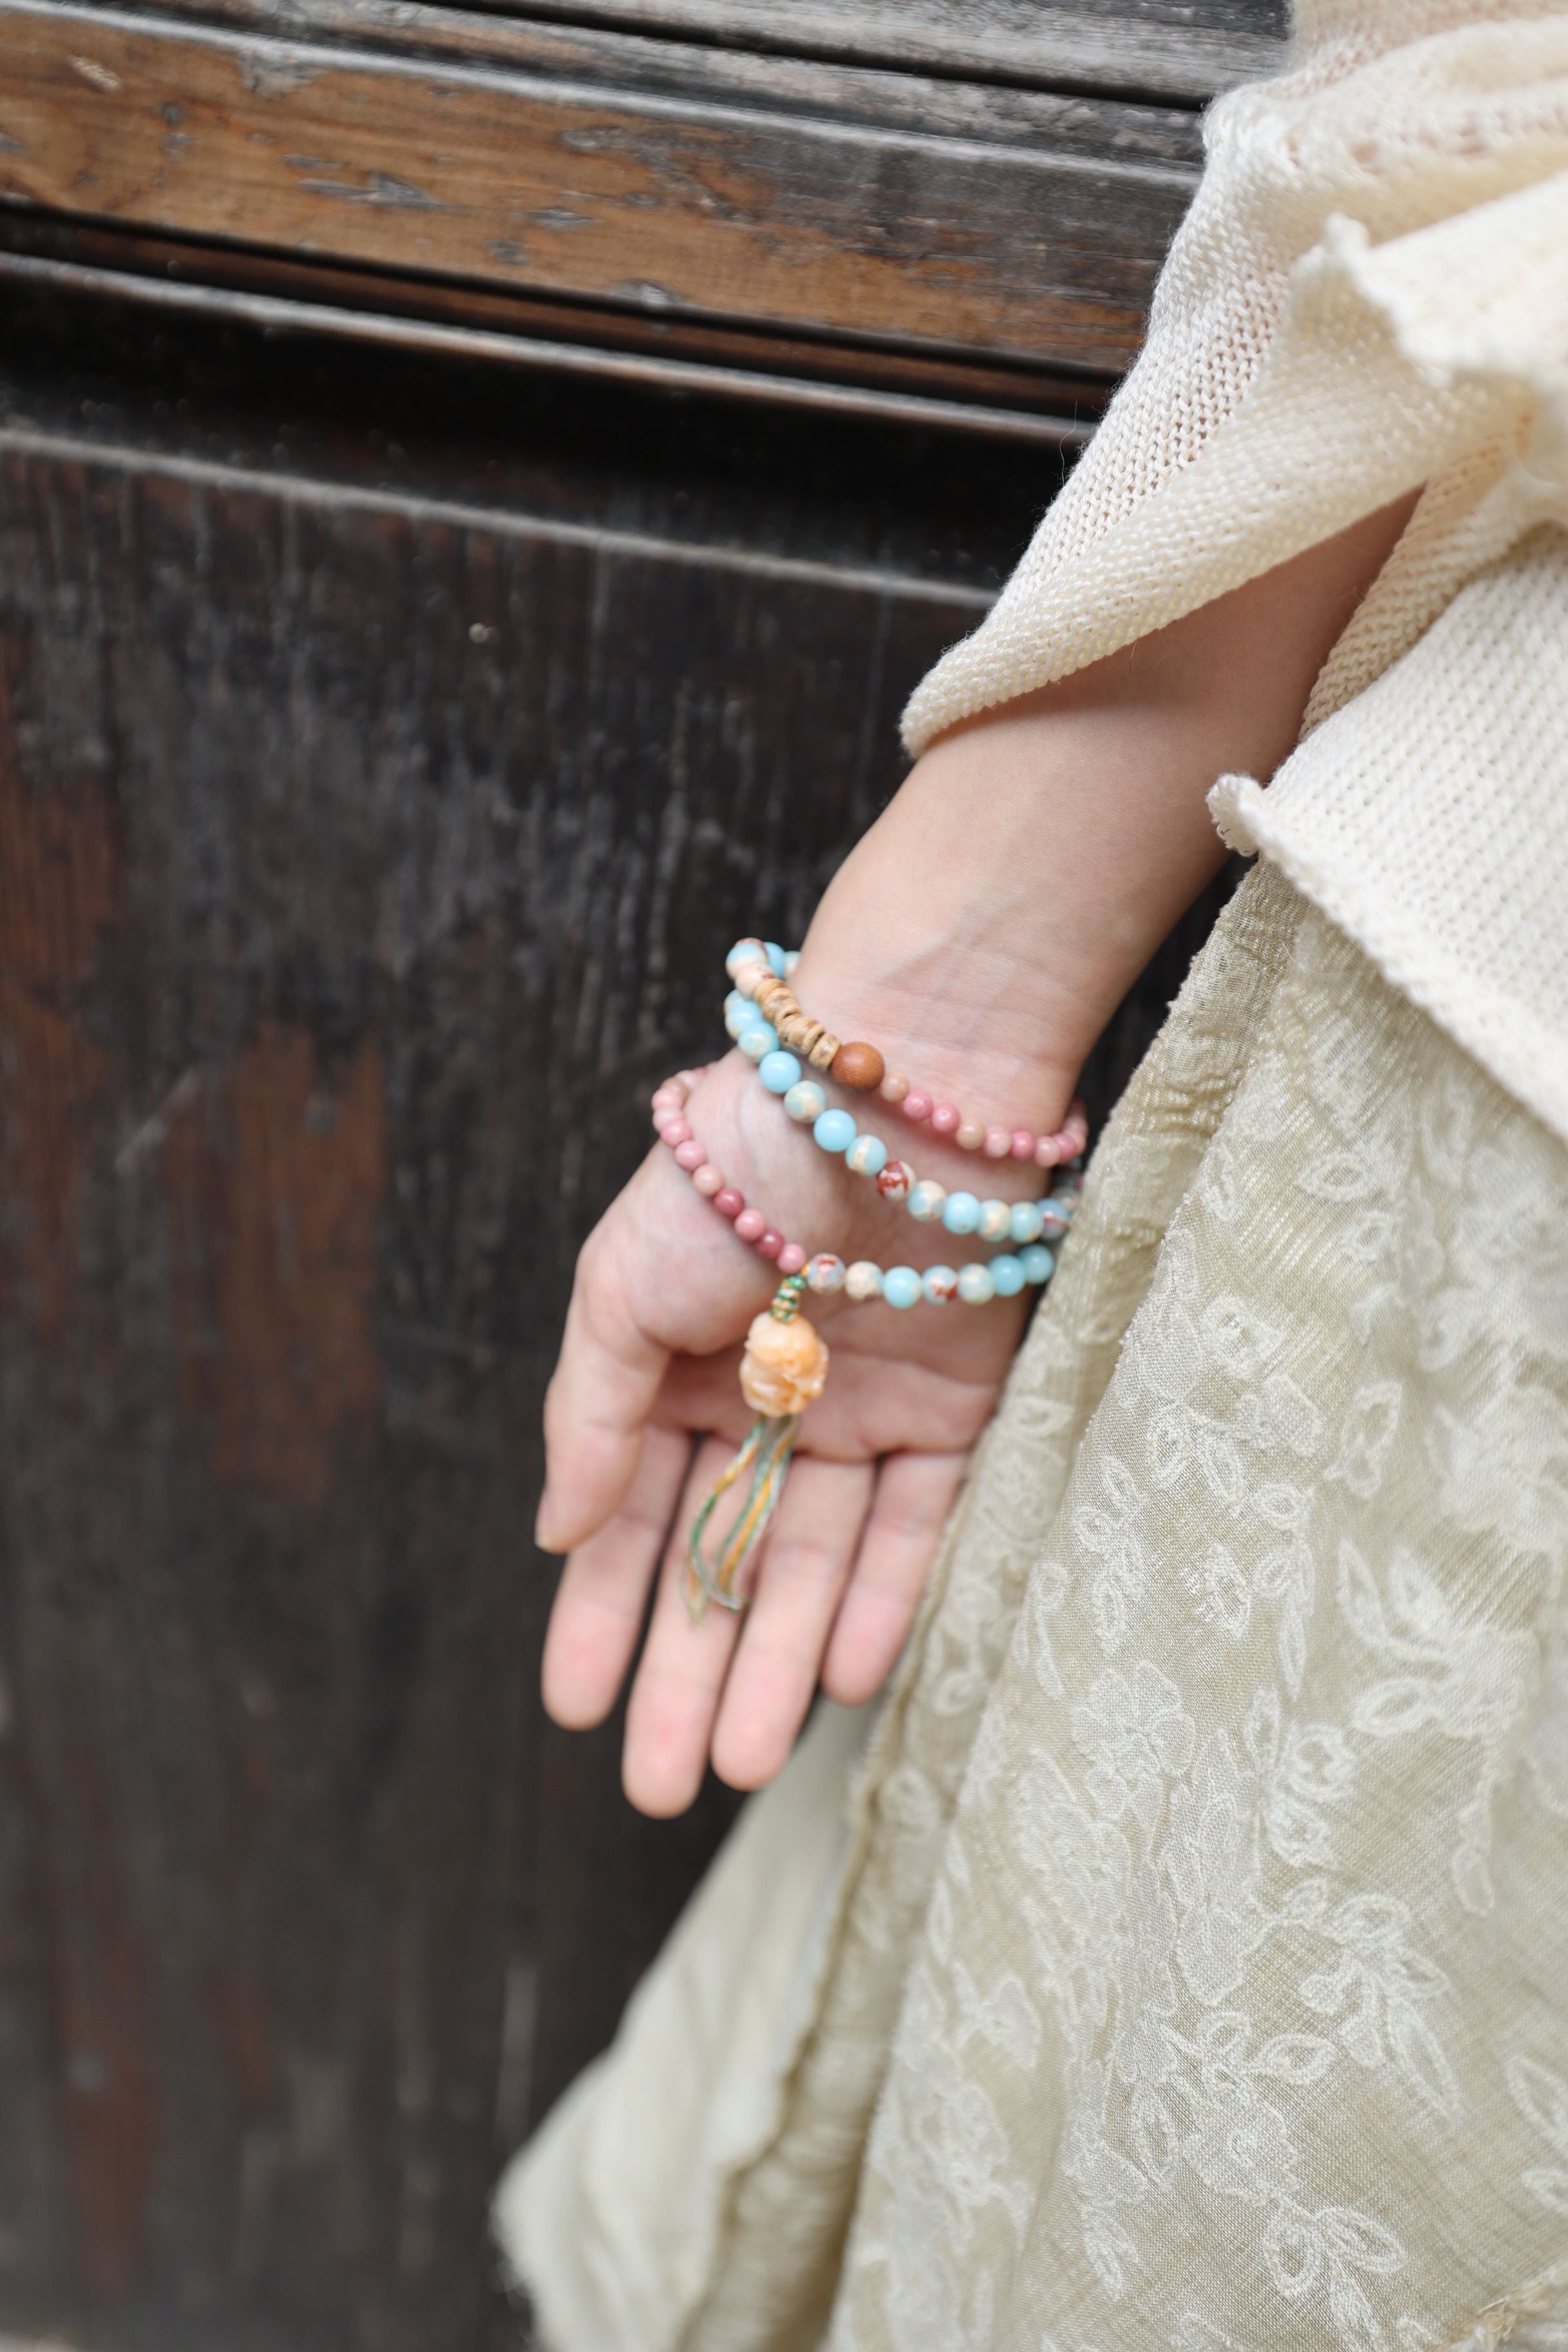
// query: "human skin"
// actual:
[[980, 934]]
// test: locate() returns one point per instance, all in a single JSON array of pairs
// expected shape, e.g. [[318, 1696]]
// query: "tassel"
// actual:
[[784, 1367]]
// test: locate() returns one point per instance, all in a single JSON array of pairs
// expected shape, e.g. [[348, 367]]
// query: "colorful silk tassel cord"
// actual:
[[783, 1368]]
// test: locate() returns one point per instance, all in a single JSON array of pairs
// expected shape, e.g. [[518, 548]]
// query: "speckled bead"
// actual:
[[1006, 1275], [777, 958], [939, 1284], [995, 1220], [1054, 1221], [961, 1213], [744, 951], [926, 1200], [738, 1014], [863, 1280], [974, 1284], [902, 1285], [826, 1273], [806, 1102], [1025, 1221], [896, 1181], [1037, 1262], [867, 1155], [757, 1040], [778, 1072], [835, 1130]]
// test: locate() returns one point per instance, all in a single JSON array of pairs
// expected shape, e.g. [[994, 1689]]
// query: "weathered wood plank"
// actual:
[[654, 204], [1184, 52]]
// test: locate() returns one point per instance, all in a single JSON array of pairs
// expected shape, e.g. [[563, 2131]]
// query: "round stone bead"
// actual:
[[926, 1201], [757, 1040], [744, 951], [769, 1243], [974, 1284], [806, 1102], [940, 1284], [896, 1181], [790, 962], [971, 1135], [778, 1072], [826, 1273], [728, 1203], [690, 1155], [917, 1104], [858, 1066], [995, 1220], [673, 1129], [750, 976], [1023, 1143], [738, 1014], [863, 1279], [945, 1119], [893, 1088], [835, 1130], [960, 1213], [1026, 1221], [998, 1142], [1007, 1275], [1047, 1151], [1054, 1222], [1037, 1262], [792, 1258], [709, 1181], [751, 1224], [867, 1155], [776, 957], [902, 1285]]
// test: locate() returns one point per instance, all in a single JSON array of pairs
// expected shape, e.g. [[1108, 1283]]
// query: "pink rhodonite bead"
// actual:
[[998, 1142], [690, 1155], [945, 1119], [675, 1131], [708, 1179], [918, 1104], [751, 1224], [1023, 1144], [1047, 1151], [771, 1242], [792, 1258], [728, 1203]]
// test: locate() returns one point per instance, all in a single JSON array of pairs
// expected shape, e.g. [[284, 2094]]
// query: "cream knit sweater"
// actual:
[[1370, 293]]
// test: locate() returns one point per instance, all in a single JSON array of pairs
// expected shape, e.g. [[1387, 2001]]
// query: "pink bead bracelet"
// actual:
[[670, 1125]]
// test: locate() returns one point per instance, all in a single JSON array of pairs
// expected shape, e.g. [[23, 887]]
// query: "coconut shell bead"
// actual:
[[858, 1066]]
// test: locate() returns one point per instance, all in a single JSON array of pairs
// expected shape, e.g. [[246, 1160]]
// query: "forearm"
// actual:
[[988, 924]]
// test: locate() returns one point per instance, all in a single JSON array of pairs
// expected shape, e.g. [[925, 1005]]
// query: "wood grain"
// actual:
[[656, 204]]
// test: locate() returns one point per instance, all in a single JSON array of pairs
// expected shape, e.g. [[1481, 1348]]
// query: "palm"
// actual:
[[645, 1410]]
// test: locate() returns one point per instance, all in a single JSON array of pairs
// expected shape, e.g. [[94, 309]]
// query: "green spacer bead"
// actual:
[[786, 1303]]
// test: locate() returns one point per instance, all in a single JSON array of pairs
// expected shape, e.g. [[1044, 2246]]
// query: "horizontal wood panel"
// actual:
[[1188, 52], [700, 210]]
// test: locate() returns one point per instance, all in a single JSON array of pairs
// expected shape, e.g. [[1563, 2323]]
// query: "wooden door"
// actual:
[[476, 488]]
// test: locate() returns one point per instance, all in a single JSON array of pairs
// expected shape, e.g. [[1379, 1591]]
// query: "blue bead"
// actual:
[[961, 1214], [1027, 1221], [739, 1012], [974, 1284], [902, 1285], [1037, 1262], [778, 1072], [867, 1155], [1007, 1275], [776, 957], [835, 1130], [806, 1102], [757, 1040]]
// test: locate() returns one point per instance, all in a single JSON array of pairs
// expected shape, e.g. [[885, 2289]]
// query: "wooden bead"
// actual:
[[824, 1053], [858, 1066]]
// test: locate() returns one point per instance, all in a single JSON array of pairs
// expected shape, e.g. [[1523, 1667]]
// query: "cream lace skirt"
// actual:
[[1179, 1956]]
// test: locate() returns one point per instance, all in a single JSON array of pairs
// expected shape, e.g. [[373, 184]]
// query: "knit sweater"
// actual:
[[1370, 294]]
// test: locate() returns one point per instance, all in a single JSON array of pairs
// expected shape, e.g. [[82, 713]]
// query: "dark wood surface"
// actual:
[[395, 727]]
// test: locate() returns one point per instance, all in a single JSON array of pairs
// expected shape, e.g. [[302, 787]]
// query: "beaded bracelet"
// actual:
[[762, 972], [784, 1367]]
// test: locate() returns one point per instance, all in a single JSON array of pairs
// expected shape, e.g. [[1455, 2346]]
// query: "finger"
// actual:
[[915, 1492], [803, 1574], [599, 1603], [598, 1400], [675, 1697]]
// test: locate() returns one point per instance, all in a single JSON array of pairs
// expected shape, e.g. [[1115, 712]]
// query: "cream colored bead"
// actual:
[[820, 1055]]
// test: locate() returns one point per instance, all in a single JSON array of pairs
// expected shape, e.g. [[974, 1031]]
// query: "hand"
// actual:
[[980, 934], [648, 1365]]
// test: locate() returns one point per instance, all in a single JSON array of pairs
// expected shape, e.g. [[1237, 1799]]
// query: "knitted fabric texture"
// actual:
[[1369, 294]]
